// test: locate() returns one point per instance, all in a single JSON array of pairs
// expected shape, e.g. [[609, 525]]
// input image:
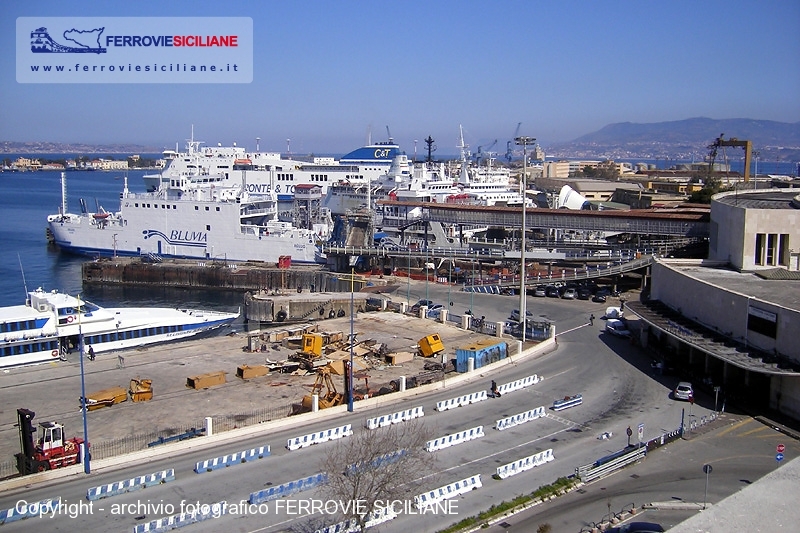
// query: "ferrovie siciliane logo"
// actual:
[[134, 50], [80, 42]]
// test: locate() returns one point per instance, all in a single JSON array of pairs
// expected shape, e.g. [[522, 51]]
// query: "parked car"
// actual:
[[515, 315], [599, 298], [683, 391], [613, 312], [637, 527], [569, 294], [421, 303], [540, 291], [618, 328], [584, 293], [552, 291], [434, 310]]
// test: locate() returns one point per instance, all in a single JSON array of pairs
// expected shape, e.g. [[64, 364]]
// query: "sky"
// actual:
[[329, 74]]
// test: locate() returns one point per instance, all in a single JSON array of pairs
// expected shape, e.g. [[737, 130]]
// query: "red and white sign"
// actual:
[[781, 448]]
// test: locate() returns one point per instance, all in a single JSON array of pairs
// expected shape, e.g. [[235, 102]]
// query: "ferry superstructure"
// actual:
[[204, 221], [50, 325], [269, 172]]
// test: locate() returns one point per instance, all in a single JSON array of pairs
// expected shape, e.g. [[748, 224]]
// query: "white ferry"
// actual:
[[269, 172], [49, 326], [205, 221]]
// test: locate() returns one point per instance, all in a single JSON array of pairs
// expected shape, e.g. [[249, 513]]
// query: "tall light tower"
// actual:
[[523, 313]]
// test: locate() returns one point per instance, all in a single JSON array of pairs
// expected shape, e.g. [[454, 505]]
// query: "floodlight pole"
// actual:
[[350, 406], [523, 315], [86, 455]]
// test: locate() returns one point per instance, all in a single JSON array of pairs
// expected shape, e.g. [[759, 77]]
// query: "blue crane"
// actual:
[[509, 144]]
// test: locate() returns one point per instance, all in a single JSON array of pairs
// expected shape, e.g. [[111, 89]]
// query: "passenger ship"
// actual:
[[269, 172], [49, 326], [204, 221]]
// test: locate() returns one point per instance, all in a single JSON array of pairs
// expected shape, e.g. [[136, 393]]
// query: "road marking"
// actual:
[[735, 426]]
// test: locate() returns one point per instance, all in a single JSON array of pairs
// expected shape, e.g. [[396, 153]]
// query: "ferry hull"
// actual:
[[180, 229]]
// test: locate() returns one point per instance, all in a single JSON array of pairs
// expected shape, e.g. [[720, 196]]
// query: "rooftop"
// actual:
[[782, 292], [769, 199]]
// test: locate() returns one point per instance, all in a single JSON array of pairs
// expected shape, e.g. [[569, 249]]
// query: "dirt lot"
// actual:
[[53, 390]]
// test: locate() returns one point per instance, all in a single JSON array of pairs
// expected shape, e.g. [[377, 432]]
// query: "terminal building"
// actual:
[[731, 322]]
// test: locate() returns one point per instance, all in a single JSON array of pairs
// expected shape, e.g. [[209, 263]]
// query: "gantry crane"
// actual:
[[733, 141]]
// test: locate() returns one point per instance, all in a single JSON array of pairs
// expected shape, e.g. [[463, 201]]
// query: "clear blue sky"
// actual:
[[328, 72]]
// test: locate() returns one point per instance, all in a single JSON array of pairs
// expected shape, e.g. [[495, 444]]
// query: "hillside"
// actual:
[[683, 139]]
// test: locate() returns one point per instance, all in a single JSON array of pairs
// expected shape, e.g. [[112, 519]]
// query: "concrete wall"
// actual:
[[734, 228], [723, 310]]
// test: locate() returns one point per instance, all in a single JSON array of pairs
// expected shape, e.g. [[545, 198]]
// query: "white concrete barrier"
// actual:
[[466, 399], [319, 437], [518, 384], [394, 418], [525, 463], [521, 418], [454, 439], [452, 490]]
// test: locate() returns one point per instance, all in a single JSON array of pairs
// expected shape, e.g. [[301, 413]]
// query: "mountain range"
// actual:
[[683, 139], [680, 139]]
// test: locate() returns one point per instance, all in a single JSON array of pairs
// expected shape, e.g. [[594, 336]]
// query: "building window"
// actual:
[[771, 243], [783, 249], [772, 249]]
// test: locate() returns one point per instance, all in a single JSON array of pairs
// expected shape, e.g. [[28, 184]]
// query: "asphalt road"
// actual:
[[612, 375]]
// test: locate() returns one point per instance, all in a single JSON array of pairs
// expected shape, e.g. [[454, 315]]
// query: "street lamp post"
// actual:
[[408, 278], [86, 456], [352, 341], [524, 141]]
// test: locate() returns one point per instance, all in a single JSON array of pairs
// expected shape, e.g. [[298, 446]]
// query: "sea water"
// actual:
[[27, 261]]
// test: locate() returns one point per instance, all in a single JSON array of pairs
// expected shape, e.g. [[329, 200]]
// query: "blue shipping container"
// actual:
[[484, 351]]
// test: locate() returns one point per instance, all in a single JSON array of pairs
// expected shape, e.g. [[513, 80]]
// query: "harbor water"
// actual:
[[27, 260]]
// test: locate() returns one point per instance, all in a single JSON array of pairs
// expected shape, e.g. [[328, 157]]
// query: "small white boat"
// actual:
[[50, 326]]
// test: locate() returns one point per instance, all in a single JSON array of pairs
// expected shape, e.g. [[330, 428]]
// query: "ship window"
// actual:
[[208, 227], [207, 208], [196, 208], [217, 208], [136, 204]]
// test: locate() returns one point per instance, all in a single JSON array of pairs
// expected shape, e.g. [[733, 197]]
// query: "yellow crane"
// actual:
[[733, 141]]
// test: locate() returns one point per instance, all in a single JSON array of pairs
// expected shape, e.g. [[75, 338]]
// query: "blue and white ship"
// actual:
[[49, 326], [206, 221]]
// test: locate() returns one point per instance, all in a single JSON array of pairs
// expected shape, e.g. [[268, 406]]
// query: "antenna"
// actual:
[[24, 283]]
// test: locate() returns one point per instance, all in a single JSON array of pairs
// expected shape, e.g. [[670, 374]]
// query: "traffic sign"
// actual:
[[707, 469], [781, 448], [641, 432], [779, 457]]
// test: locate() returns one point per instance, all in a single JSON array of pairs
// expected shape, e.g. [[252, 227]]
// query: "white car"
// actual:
[[683, 391], [613, 312], [618, 328]]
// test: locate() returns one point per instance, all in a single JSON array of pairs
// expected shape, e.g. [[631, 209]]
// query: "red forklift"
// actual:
[[51, 450]]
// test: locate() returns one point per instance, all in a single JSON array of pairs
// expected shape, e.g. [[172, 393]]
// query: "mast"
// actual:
[[63, 193]]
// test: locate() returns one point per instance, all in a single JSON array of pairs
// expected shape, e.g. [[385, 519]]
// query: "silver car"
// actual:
[[683, 391]]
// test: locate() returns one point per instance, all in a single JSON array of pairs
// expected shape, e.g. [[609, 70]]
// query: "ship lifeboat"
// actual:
[[101, 216]]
